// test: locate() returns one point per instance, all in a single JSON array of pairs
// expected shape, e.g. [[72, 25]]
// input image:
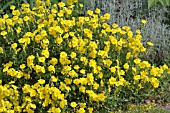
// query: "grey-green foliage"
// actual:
[[130, 13]]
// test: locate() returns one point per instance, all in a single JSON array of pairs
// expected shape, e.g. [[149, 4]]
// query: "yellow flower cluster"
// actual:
[[56, 61]]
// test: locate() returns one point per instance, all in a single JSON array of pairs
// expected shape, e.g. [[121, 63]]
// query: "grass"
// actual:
[[144, 109], [80, 1], [152, 110]]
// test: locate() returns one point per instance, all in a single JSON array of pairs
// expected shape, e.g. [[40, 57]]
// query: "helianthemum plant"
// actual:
[[56, 61]]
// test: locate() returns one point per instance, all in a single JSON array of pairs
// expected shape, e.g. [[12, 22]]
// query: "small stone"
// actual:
[[167, 107], [147, 101]]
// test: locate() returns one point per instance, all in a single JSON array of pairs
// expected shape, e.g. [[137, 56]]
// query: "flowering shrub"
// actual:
[[53, 60]]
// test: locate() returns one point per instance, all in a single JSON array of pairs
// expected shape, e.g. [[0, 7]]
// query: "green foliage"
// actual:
[[152, 3]]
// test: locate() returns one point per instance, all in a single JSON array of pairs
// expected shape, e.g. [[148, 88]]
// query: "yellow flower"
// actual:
[[100, 75], [18, 30], [138, 32], [63, 103], [114, 25], [97, 11], [5, 16], [32, 105], [128, 55], [82, 71], [75, 1], [137, 61], [76, 81], [69, 2], [20, 21], [164, 67], [41, 81], [72, 73], [48, 2], [150, 43], [82, 89], [71, 34], [45, 53], [76, 67], [61, 4], [73, 104], [136, 77], [53, 61], [16, 12], [154, 82], [81, 110], [143, 21], [53, 11], [81, 5], [95, 86], [60, 13], [126, 66], [107, 62], [66, 35], [38, 38], [92, 63], [51, 68], [73, 55], [112, 81], [107, 16], [63, 55], [168, 70], [41, 59], [90, 12], [54, 79], [59, 40], [82, 105], [1, 50], [30, 60], [43, 33], [54, 110], [67, 81], [121, 72], [12, 7], [11, 82], [113, 69], [26, 18], [3, 33], [130, 33], [90, 110], [22, 66], [10, 111]]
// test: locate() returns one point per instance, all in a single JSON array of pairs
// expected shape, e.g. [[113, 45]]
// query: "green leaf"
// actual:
[[25, 1], [8, 4], [151, 3], [1, 11], [168, 2], [163, 2], [31, 3]]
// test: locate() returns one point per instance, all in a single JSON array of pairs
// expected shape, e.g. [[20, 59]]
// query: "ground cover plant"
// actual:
[[54, 60]]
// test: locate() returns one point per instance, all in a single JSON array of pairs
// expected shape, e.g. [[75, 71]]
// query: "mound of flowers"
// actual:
[[54, 60]]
